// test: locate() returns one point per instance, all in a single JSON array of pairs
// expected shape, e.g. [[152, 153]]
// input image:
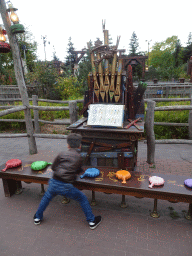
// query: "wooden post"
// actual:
[[190, 122], [167, 91], [149, 125], [129, 85], [36, 114], [19, 76], [73, 111]]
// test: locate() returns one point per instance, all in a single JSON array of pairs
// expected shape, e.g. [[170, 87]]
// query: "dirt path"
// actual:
[[55, 129]]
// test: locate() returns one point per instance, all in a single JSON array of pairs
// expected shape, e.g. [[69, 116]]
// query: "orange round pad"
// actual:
[[123, 175]]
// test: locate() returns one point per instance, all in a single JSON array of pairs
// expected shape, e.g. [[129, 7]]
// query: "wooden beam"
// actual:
[[19, 76]]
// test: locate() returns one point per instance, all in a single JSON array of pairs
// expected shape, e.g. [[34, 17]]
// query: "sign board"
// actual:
[[160, 92], [108, 115]]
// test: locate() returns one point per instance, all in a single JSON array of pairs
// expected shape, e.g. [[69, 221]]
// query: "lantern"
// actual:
[[16, 27], [4, 47]]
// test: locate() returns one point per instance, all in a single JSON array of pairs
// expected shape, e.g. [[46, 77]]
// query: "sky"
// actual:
[[81, 20]]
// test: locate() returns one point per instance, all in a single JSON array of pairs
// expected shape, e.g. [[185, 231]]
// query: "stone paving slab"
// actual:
[[124, 231]]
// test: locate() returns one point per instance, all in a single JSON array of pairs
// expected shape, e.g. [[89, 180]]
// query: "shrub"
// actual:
[[68, 87]]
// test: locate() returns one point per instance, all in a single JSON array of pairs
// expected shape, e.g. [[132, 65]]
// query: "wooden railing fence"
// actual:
[[160, 90], [166, 90], [73, 112], [149, 124], [72, 108], [12, 92]]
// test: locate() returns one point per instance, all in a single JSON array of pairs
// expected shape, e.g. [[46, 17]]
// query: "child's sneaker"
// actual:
[[37, 221], [96, 222]]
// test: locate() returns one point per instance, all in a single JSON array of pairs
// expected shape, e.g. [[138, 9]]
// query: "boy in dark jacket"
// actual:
[[65, 168]]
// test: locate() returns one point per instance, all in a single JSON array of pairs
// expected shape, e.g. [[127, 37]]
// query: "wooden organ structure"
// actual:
[[111, 84]]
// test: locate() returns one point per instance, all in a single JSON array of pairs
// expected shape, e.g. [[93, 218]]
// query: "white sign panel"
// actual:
[[105, 115]]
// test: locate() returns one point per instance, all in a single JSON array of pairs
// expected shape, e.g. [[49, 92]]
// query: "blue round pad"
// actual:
[[188, 183], [91, 173]]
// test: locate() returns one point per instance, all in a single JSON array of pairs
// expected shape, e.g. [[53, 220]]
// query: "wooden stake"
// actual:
[[118, 90], [19, 76], [102, 90], [149, 125], [96, 86]]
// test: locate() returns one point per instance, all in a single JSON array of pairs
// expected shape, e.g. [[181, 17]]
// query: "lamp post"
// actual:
[[13, 16], [19, 75], [15, 27], [148, 41], [44, 43]]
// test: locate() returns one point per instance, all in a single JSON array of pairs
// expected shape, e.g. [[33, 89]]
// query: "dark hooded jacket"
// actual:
[[67, 165]]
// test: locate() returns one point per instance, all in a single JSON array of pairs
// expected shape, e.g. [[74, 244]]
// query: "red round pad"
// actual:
[[12, 163]]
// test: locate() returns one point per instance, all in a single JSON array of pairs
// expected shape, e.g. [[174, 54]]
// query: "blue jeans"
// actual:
[[57, 187]]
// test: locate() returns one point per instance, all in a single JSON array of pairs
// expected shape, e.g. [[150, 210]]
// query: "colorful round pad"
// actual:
[[12, 164], [188, 183], [156, 181], [91, 173], [123, 175], [39, 165]]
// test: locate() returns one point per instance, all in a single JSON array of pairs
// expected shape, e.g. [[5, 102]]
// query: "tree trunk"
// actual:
[[19, 77]]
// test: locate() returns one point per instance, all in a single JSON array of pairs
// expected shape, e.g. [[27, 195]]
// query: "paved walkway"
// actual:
[[123, 232]]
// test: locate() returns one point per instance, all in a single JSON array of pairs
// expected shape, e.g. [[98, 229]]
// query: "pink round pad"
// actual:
[[156, 181]]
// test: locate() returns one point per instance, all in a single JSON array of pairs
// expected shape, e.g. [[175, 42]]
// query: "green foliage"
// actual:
[[68, 87], [187, 51], [70, 59], [4, 126], [161, 55], [7, 74], [168, 59], [84, 69], [137, 72], [133, 45], [28, 49], [45, 77]]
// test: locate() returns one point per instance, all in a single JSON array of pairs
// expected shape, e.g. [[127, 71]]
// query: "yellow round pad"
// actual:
[[123, 175]]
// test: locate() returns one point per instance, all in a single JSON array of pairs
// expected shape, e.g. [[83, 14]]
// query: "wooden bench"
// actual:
[[173, 190]]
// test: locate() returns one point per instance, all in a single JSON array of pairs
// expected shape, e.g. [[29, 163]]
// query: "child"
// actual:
[[65, 167]]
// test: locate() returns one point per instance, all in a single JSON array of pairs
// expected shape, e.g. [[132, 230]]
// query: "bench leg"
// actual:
[[65, 200], [123, 203], [19, 189], [188, 216], [11, 186], [155, 214], [93, 201], [42, 190]]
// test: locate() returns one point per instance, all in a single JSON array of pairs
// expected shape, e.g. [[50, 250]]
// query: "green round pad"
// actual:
[[39, 165]]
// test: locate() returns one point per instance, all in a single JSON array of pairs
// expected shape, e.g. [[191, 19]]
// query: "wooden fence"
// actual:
[[72, 108], [149, 124], [166, 90], [160, 90], [12, 92], [73, 112]]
